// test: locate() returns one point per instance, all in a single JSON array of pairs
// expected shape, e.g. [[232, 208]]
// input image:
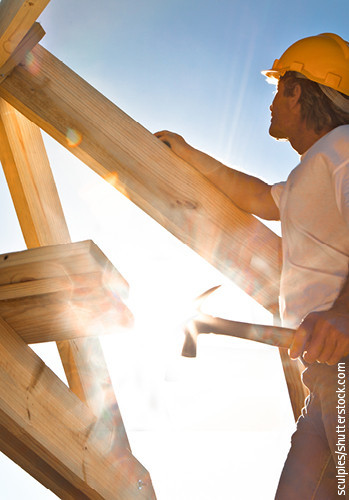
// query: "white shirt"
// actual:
[[314, 213]]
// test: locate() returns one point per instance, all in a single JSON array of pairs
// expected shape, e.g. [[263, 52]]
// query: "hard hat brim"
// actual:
[[271, 75]]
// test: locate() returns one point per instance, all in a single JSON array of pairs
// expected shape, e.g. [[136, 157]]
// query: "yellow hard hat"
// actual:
[[322, 58]]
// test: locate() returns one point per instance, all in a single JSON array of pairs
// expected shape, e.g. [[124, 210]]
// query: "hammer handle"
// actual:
[[272, 335]]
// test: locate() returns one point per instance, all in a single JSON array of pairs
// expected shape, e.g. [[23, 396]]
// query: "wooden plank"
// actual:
[[60, 316], [34, 193], [60, 265], [49, 285], [139, 165], [16, 19], [53, 435], [31, 462], [33, 37], [292, 370], [296, 389], [31, 183], [44, 300]]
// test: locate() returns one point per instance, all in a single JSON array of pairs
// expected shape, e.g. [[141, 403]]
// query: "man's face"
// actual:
[[280, 114]]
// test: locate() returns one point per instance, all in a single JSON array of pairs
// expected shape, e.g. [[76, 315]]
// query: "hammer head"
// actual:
[[190, 341], [191, 331]]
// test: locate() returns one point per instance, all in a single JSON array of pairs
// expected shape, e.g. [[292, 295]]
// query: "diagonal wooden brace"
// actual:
[[34, 193], [32, 38]]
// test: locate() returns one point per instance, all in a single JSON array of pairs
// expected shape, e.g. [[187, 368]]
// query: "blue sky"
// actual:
[[192, 67]]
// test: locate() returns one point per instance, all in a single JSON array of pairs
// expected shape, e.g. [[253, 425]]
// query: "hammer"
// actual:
[[205, 323]]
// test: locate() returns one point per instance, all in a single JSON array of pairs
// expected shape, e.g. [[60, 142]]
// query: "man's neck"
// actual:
[[305, 138]]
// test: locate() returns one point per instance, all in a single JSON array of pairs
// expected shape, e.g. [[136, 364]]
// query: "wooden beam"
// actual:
[[139, 165], [33, 37], [49, 432], [61, 260], [292, 370], [34, 193], [56, 268], [296, 389], [28, 174], [49, 285], [16, 19], [62, 292]]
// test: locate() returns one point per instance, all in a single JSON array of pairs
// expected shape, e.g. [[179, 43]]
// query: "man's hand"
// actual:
[[173, 141], [322, 336]]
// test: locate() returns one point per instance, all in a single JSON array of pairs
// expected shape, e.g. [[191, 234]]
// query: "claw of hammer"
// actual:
[[199, 300]]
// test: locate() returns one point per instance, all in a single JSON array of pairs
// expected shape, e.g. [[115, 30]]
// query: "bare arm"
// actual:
[[247, 192], [324, 335]]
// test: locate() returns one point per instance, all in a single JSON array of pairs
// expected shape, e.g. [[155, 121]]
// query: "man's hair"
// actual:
[[317, 109]]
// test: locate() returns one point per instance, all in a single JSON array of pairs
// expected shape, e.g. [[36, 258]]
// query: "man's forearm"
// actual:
[[247, 192], [324, 335], [237, 185]]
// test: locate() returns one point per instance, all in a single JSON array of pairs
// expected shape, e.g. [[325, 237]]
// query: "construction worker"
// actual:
[[311, 111]]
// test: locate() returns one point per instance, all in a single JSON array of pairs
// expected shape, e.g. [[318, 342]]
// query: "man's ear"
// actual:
[[297, 92]]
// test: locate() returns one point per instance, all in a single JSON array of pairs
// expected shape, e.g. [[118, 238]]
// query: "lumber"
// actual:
[[129, 157], [64, 262], [35, 197], [33, 37], [33, 288], [28, 174], [297, 390], [16, 19], [292, 369], [49, 432], [62, 292]]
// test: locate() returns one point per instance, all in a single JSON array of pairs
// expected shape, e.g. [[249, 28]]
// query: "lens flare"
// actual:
[[114, 180], [74, 137], [32, 63]]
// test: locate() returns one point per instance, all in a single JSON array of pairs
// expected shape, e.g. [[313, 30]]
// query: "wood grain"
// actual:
[[44, 299], [33, 37], [32, 186], [49, 432], [34, 193], [16, 19], [136, 163]]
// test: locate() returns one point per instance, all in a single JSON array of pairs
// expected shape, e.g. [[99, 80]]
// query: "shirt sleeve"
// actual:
[[276, 192], [341, 186]]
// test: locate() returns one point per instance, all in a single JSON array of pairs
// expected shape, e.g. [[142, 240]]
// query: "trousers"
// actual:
[[317, 465]]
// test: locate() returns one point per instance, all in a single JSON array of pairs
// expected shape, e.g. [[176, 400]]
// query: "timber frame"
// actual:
[[175, 194]]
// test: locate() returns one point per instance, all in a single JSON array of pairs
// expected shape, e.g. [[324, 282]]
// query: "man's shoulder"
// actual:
[[338, 136], [334, 146]]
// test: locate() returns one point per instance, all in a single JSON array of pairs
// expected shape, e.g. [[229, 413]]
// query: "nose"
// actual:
[[273, 101]]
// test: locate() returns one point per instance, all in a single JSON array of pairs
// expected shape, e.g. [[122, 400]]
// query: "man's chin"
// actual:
[[276, 134]]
